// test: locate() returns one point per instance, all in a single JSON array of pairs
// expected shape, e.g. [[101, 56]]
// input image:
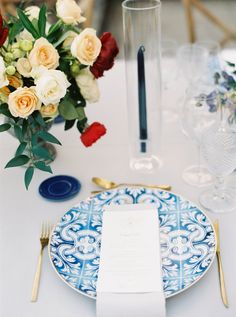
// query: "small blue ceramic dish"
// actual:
[[59, 119], [60, 187]]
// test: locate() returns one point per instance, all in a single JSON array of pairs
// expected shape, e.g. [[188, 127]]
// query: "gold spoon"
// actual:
[[103, 183]]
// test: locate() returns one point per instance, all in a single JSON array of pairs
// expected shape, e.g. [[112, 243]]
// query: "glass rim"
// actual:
[[153, 5]]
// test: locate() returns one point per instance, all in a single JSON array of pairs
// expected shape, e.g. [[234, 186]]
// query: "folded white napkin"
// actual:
[[130, 280]]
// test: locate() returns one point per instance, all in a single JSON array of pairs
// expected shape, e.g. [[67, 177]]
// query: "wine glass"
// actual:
[[192, 61], [199, 113], [169, 75], [219, 151], [213, 62]]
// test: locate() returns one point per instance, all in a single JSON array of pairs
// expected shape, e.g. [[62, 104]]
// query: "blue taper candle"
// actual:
[[143, 134]]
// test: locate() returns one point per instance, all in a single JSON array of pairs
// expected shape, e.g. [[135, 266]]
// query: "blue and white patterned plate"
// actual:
[[188, 240]]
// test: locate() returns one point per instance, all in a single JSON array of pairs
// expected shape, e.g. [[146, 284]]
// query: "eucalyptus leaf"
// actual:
[[38, 118], [21, 148], [41, 152], [5, 110], [28, 176], [18, 133], [48, 137], [43, 167], [27, 23], [5, 127], [18, 161]]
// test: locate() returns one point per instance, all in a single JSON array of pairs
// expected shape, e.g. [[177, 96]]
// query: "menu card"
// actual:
[[130, 279]]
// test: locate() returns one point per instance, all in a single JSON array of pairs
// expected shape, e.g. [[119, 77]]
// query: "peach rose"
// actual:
[[44, 53], [86, 46], [49, 111], [23, 102]]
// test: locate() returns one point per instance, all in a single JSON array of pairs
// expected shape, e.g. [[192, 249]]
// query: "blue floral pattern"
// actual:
[[187, 239]]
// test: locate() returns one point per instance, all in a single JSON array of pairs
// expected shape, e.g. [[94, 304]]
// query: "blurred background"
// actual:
[[182, 20]]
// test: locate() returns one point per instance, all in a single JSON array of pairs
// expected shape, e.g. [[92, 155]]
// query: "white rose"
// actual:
[[86, 46], [88, 85], [69, 12], [3, 78], [32, 12], [24, 67], [37, 72], [23, 102], [51, 86], [44, 53]]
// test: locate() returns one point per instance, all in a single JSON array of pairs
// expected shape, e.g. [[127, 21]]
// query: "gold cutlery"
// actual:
[[220, 267], [44, 239], [106, 184]]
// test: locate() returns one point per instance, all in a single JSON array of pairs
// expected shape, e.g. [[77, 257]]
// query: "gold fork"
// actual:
[[220, 267], [44, 239]]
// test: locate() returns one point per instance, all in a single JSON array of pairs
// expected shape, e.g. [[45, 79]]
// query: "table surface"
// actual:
[[23, 212]]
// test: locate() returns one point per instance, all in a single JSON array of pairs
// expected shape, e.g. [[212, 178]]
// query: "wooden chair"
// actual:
[[189, 5], [87, 6], [8, 6]]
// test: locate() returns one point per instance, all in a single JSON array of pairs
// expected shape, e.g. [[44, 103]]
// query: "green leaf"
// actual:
[[41, 152], [67, 110], [27, 24], [24, 127], [5, 127], [81, 125], [43, 167], [18, 161], [42, 20], [18, 133], [61, 39], [231, 64], [81, 113], [5, 110], [21, 148], [55, 27], [28, 176], [15, 29], [69, 124], [38, 118], [48, 137]]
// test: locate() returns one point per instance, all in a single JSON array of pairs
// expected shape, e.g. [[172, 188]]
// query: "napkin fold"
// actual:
[[130, 276]]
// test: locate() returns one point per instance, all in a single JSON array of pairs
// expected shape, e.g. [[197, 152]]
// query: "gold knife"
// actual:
[[220, 267]]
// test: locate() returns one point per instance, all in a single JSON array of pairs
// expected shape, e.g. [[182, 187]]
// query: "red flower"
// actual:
[[94, 132], [105, 60], [3, 32]]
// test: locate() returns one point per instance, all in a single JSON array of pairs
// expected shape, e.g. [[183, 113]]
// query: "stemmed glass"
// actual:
[[219, 151], [199, 113], [169, 75], [192, 61], [213, 61]]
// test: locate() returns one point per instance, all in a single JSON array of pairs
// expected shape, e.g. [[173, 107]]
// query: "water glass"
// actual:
[[219, 151]]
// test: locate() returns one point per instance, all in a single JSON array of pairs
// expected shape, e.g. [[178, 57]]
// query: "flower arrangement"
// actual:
[[46, 70]]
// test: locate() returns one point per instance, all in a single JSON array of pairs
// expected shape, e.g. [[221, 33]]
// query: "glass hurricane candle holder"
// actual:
[[141, 22]]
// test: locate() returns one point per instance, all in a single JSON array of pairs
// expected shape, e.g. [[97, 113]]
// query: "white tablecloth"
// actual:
[[22, 213]]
